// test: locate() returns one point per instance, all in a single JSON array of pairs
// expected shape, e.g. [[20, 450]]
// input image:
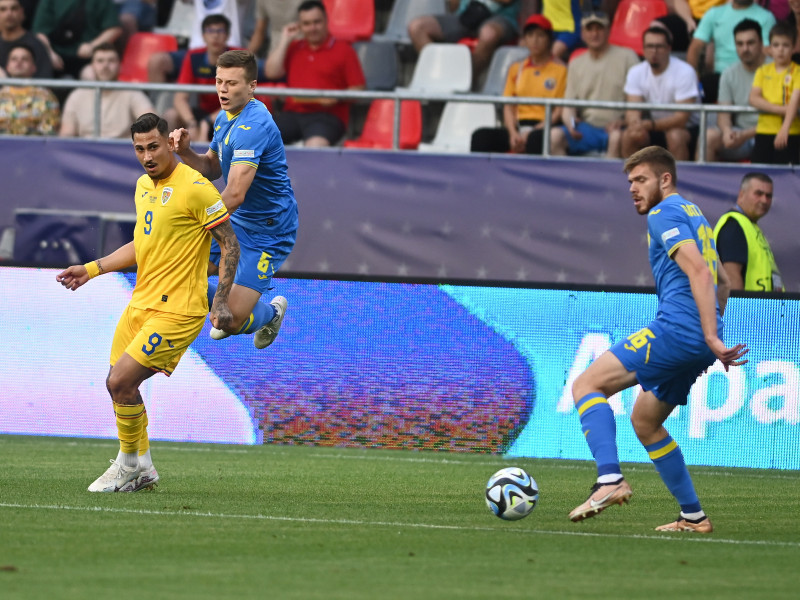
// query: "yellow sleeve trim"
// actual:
[[671, 251], [245, 162]]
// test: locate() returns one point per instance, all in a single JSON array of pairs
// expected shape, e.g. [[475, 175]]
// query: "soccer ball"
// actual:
[[511, 493]]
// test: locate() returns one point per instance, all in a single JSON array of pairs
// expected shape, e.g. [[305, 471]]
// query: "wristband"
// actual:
[[93, 269]]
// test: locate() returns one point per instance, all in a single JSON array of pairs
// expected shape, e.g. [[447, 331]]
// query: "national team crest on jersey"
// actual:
[[166, 195]]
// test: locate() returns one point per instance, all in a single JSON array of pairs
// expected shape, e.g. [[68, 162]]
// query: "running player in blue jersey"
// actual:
[[668, 355], [247, 150]]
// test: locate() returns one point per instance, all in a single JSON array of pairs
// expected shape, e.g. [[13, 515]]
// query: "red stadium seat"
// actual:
[[469, 42], [351, 20], [631, 19], [138, 50], [576, 53], [377, 132]]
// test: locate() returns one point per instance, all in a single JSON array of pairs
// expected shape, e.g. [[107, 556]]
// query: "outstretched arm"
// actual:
[[221, 315], [75, 276], [701, 280]]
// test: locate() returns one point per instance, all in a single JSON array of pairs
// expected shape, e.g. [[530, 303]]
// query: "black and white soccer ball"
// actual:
[[511, 493]]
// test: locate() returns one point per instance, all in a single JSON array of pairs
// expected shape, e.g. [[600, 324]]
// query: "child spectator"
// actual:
[[775, 86]]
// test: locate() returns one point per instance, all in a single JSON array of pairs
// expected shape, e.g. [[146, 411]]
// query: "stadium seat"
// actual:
[[631, 19], [458, 121], [181, 21], [403, 11], [379, 125], [469, 42], [577, 52], [53, 237], [351, 20], [380, 64], [442, 69], [139, 48], [496, 75]]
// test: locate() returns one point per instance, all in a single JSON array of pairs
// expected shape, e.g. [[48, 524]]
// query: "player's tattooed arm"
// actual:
[[229, 258]]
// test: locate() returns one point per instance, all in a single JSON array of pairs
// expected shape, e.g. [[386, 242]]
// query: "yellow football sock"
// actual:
[[144, 440], [130, 422]]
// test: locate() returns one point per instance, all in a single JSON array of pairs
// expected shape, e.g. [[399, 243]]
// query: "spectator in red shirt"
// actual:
[[309, 57], [199, 68]]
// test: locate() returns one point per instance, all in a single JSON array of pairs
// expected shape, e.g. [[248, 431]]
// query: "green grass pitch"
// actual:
[[284, 522]]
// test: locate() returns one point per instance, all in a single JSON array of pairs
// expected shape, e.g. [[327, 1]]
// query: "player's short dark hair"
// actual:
[[758, 176], [658, 28], [748, 25], [240, 58], [216, 20], [657, 158], [147, 122], [784, 29], [311, 5]]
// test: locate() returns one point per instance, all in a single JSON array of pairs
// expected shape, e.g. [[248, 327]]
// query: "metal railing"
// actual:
[[399, 94]]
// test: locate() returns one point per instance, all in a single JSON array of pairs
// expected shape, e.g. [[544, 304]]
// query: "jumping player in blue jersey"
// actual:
[[247, 150], [668, 355]]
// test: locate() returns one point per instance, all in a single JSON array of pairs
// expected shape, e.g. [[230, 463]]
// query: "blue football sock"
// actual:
[[600, 430], [668, 460], [262, 313]]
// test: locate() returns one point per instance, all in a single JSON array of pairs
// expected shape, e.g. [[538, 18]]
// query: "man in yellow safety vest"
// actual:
[[743, 250]]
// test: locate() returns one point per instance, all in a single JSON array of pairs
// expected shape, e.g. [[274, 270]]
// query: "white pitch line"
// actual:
[[686, 538]]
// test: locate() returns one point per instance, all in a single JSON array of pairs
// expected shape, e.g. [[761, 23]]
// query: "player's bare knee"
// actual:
[[122, 392], [581, 386], [644, 428]]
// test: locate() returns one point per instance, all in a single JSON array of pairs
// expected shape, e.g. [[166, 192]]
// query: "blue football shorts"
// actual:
[[665, 363], [260, 257]]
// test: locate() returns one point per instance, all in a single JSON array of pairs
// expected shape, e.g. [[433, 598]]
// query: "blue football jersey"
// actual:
[[251, 137], [672, 223]]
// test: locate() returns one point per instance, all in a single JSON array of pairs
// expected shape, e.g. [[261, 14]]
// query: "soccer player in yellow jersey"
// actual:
[[177, 213]]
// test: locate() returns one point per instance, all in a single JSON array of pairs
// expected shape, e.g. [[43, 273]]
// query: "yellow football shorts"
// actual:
[[154, 339]]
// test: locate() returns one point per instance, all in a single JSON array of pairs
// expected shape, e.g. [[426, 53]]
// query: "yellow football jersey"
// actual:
[[172, 239]]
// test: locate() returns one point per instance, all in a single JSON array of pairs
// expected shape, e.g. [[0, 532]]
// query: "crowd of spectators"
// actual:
[[730, 52]]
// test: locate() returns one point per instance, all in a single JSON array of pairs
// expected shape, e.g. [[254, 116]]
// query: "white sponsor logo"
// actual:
[[212, 209], [244, 154], [669, 233]]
